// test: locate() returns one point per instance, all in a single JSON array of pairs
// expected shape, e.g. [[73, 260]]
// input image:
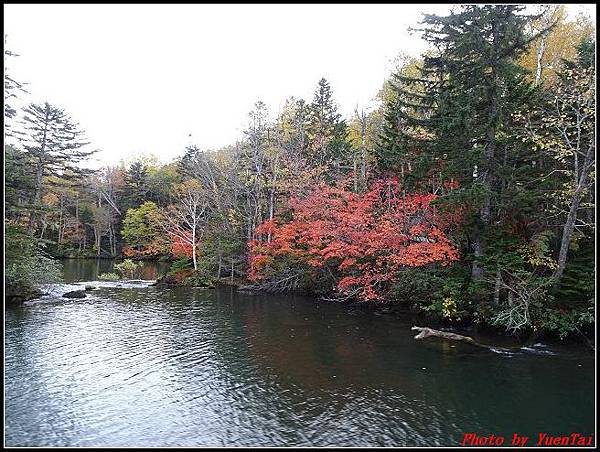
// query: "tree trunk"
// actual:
[[38, 179], [110, 239], [497, 288], [355, 173], [98, 239], [60, 222], [36, 198], [476, 270], [44, 226], [363, 151], [487, 173], [569, 225], [567, 233], [425, 332], [271, 211], [194, 245], [539, 56]]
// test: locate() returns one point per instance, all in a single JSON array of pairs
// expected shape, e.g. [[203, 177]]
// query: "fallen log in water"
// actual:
[[428, 332]]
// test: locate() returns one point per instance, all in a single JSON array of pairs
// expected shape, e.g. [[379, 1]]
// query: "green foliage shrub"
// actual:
[[181, 264], [27, 265], [128, 268], [566, 322]]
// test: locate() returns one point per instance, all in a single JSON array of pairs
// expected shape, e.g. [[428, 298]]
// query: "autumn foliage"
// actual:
[[363, 240], [181, 244]]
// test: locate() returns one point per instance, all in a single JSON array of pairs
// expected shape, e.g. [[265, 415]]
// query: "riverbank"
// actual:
[[82, 269], [481, 333], [15, 295]]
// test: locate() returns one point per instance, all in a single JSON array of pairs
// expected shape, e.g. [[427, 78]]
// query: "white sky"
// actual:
[[140, 78]]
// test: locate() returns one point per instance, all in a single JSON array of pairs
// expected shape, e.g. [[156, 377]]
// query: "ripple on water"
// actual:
[[134, 365]]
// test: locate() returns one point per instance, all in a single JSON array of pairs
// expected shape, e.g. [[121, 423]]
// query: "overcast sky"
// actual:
[[141, 78]]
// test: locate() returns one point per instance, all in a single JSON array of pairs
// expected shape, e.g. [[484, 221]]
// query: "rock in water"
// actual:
[[75, 294], [88, 288]]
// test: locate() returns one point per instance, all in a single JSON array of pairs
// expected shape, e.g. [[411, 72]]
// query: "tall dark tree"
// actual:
[[409, 102], [55, 146], [12, 88], [136, 187], [458, 111], [327, 130], [18, 183]]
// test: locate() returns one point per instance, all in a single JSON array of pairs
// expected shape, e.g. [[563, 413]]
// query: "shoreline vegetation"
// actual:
[[466, 196], [482, 336]]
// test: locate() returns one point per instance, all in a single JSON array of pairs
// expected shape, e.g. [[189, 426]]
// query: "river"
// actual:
[[133, 365]]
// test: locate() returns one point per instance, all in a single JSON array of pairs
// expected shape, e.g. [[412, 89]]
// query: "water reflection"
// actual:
[[137, 366], [90, 269]]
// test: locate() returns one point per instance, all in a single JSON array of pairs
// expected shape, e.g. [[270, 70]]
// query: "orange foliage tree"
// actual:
[[362, 240]]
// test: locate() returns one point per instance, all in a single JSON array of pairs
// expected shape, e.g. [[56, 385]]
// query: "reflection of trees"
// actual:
[[319, 347], [233, 368], [90, 269]]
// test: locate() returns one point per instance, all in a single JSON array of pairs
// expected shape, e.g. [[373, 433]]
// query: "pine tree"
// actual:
[[55, 146], [455, 118], [406, 108], [136, 186], [11, 89], [327, 131]]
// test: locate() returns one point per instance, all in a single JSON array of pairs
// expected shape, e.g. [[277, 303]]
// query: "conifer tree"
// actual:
[[136, 188], [327, 130], [455, 115], [54, 145]]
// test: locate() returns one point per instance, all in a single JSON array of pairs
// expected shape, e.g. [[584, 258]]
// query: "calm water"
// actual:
[[138, 366]]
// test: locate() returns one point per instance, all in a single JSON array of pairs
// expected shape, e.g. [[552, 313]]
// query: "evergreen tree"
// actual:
[[402, 135], [326, 130], [19, 183], [136, 187], [454, 118], [11, 89], [54, 145]]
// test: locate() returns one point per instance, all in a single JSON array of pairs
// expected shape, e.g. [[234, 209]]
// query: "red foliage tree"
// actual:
[[366, 239], [181, 244]]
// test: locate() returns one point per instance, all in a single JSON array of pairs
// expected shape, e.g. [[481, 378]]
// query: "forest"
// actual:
[[467, 194]]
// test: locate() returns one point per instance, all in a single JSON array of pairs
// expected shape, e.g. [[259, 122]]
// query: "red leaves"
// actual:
[[366, 239], [181, 244]]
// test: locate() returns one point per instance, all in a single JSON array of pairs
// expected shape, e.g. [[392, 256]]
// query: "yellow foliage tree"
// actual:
[[546, 53]]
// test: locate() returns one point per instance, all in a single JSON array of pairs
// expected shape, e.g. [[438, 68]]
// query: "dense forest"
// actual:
[[467, 194]]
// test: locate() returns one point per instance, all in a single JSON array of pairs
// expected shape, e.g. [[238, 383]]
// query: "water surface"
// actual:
[[134, 365]]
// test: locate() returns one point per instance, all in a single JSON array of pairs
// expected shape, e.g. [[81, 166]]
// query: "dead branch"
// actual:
[[426, 332]]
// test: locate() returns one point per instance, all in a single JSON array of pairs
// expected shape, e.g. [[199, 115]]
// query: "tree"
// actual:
[[223, 237], [143, 232], [456, 115], [544, 56], [101, 221], [327, 131], [405, 105], [19, 183], [136, 188], [55, 145], [257, 161], [12, 88], [361, 135], [27, 266], [182, 220], [362, 241], [566, 133]]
